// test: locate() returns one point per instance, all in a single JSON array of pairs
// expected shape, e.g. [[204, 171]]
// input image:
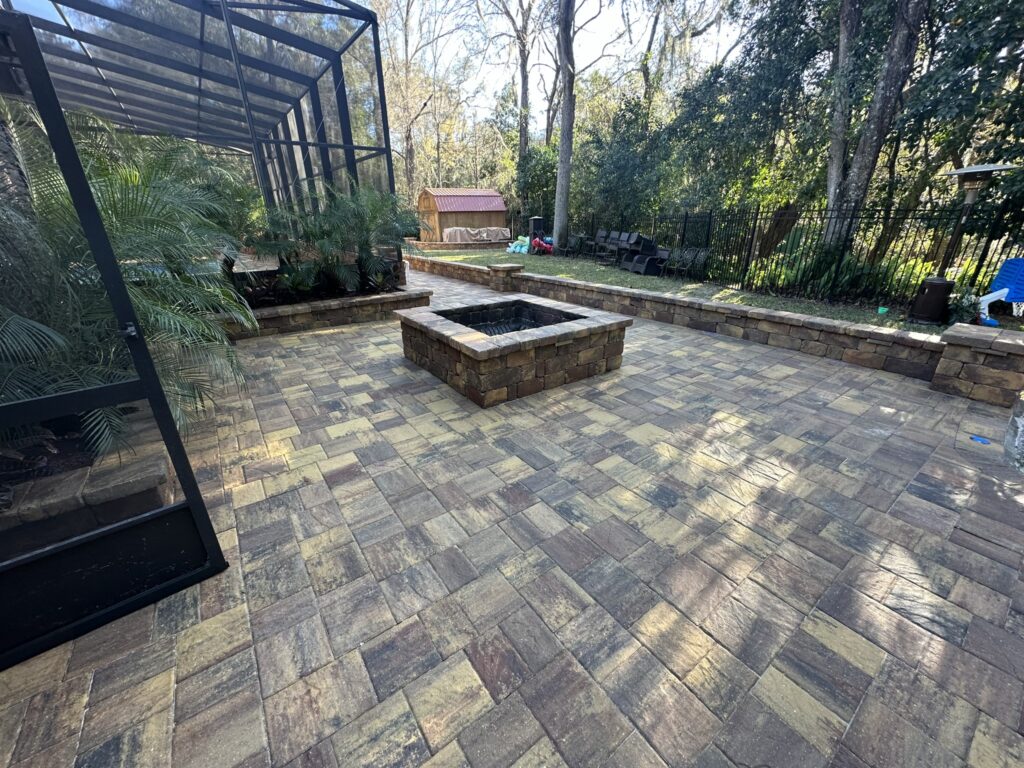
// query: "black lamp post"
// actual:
[[932, 302]]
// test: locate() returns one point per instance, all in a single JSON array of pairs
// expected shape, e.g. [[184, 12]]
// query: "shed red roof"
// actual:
[[460, 200]]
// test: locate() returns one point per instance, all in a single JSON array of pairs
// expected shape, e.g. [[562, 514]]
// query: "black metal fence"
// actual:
[[876, 256]]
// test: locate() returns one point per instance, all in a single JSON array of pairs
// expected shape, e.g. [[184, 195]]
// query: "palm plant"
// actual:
[[345, 246], [160, 218]]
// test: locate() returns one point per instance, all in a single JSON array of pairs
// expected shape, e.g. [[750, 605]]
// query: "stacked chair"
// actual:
[[637, 253]]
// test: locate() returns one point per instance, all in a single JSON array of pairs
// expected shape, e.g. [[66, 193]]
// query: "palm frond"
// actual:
[[164, 205], [23, 340]]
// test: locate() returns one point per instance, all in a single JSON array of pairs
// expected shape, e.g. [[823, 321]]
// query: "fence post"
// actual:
[[996, 221], [749, 255], [682, 235]]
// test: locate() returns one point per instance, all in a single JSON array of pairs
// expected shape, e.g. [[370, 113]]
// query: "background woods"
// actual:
[[656, 107], [697, 105]]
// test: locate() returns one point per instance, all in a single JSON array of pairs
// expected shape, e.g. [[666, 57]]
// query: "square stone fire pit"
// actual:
[[513, 345]]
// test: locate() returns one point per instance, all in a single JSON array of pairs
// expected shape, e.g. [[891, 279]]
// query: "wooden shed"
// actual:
[[444, 207]]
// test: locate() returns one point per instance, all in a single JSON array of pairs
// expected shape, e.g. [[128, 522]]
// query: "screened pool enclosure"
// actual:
[[295, 83], [295, 88]]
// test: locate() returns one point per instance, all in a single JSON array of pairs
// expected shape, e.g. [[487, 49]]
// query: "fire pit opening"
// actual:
[[507, 317]]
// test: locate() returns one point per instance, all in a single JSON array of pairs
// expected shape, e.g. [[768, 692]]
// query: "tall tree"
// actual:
[[566, 26], [552, 84], [426, 45], [673, 28], [853, 180], [517, 22]]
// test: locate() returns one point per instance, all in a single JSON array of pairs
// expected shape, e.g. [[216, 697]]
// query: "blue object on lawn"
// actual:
[[1010, 275], [982, 440]]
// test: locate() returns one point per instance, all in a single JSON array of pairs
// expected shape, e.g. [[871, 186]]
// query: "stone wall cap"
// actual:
[[505, 267], [975, 336], [826, 324], [287, 310], [760, 313], [1011, 342], [480, 346], [134, 476], [434, 260]]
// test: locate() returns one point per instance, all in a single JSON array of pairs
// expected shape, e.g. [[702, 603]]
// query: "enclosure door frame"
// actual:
[[54, 573]]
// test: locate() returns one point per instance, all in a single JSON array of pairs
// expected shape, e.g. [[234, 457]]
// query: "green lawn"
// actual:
[[579, 269]]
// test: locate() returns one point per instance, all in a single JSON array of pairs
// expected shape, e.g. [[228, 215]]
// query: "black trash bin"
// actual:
[[536, 227], [932, 303]]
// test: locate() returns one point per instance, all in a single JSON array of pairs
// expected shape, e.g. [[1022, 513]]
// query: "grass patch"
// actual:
[[581, 269]]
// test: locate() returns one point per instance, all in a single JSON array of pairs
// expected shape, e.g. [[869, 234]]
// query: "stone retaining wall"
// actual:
[[911, 354], [983, 364], [288, 318], [469, 273], [427, 245], [115, 487]]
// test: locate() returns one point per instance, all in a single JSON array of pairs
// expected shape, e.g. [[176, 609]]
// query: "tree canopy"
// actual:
[[660, 129]]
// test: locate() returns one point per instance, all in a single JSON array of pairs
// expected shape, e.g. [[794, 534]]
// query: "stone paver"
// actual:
[[724, 554]]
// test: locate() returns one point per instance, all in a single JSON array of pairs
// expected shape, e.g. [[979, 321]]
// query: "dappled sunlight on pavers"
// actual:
[[724, 554]]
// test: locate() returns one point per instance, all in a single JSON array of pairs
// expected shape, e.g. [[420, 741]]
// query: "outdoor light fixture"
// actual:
[[975, 178], [932, 300]]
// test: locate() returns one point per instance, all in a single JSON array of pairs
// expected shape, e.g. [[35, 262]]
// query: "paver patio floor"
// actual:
[[724, 554]]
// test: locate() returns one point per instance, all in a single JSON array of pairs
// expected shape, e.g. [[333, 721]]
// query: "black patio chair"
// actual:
[[650, 259], [698, 263], [675, 262], [587, 242], [613, 249], [690, 263], [640, 251], [572, 247], [604, 248], [627, 251]]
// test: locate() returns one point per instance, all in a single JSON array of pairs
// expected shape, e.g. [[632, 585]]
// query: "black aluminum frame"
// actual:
[[242, 114], [92, 569], [59, 592]]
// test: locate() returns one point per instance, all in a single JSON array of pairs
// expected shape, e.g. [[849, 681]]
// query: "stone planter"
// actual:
[[116, 487], [83, 547], [289, 318]]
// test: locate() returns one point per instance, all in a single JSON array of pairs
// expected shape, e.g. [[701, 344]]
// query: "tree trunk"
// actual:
[[645, 61], [437, 151], [849, 28], [852, 189], [553, 108], [899, 58], [524, 95], [567, 68], [410, 163]]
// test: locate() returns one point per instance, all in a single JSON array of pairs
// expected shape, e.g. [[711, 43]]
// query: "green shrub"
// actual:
[[161, 221], [347, 246]]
